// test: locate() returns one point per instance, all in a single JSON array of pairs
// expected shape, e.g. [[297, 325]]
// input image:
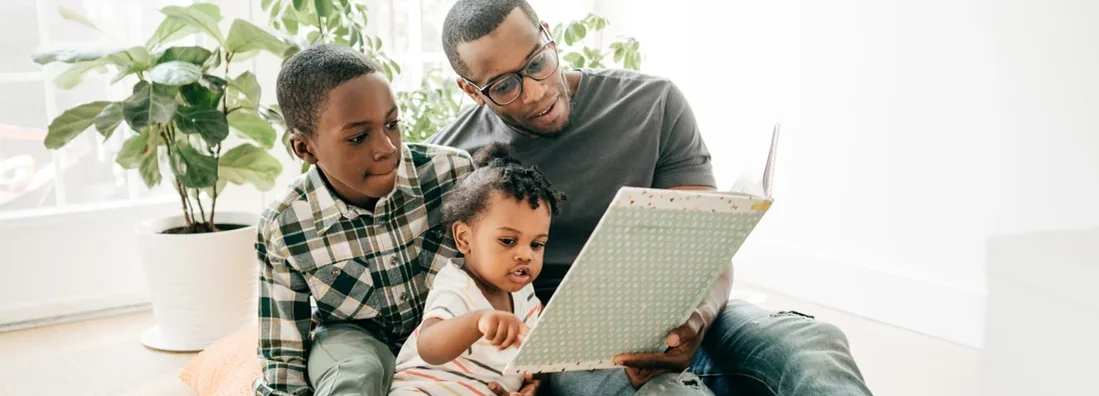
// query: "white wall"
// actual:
[[899, 119]]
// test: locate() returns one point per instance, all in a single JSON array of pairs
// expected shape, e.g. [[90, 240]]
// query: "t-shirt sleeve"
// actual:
[[445, 303], [684, 159]]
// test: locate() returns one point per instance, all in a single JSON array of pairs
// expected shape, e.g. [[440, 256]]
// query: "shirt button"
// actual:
[[404, 296], [335, 271], [393, 261]]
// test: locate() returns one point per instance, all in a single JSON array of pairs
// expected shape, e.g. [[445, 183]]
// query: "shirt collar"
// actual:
[[329, 209]]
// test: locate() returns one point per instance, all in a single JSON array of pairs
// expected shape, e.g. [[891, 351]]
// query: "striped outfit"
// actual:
[[454, 294]]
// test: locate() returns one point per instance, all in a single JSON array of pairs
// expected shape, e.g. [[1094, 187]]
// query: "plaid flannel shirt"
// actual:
[[372, 268]]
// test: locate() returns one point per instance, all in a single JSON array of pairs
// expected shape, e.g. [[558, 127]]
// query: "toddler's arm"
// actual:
[[443, 340]]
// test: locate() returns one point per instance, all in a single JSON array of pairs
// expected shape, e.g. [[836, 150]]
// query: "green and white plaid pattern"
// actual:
[[369, 267]]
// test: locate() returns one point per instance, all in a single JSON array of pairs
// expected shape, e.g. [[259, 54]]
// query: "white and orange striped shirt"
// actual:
[[455, 294]]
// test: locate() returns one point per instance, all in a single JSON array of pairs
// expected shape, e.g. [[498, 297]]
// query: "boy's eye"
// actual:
[[507, 241], [538, 245], [393, 125], [357, 138]]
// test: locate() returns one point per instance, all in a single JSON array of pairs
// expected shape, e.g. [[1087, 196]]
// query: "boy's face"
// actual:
[[504, 245], [357, 142]]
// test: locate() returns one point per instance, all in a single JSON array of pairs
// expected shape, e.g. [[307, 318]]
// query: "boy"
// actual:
[[360, 233]]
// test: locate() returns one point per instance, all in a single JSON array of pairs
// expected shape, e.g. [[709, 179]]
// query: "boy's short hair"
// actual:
[[307, 77]]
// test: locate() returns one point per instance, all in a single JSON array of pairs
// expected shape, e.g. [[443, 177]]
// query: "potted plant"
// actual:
[[185, 101]]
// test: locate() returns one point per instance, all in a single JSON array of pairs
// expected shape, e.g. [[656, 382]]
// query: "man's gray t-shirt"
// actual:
[[626, 129]]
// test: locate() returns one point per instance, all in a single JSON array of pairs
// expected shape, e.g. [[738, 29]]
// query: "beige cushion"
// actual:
[[227, 368]]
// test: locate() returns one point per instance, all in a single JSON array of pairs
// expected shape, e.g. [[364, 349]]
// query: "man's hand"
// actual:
[[502, 329], [683, 342], [529, 388]]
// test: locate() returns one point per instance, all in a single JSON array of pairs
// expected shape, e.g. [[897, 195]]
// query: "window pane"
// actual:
[[20, 21], [26, 167], [433, 13]]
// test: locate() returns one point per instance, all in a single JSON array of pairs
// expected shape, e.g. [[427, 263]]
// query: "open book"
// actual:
[[651, 260]]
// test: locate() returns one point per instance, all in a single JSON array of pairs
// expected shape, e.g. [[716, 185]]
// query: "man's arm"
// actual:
[[284, 322]]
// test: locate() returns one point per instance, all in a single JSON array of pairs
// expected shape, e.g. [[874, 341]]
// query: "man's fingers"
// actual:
[[646, 361], [497, 389], [685, 333], [531, 387]]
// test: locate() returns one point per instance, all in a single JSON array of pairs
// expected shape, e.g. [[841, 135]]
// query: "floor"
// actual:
[[105, 357]]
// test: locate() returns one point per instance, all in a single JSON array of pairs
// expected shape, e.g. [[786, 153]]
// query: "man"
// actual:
[[593, 132]]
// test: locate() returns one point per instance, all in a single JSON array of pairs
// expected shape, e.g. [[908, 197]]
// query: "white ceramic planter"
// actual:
[[203, 286]]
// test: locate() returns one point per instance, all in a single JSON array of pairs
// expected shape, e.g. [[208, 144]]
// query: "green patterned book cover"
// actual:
[[651, 259]]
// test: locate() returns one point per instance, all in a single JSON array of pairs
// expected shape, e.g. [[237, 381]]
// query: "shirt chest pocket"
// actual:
[[347, 290]]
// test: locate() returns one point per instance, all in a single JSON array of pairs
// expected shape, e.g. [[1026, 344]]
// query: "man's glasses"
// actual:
[[507, 89]]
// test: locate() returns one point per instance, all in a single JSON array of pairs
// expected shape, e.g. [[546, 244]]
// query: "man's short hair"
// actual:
[[307, 77], [469, 20]]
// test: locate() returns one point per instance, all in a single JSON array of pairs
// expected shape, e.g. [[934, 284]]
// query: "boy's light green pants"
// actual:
[[347, 360]]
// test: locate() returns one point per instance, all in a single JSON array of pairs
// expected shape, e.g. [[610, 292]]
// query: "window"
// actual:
[[84, 172]]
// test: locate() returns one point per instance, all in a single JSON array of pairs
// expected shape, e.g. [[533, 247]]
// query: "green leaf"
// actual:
[[209, 123], [558, 32], [299, 4], [136, 149], [313, 36], [290, 25], [194, 55], [170, 30], [150, 104], [575, 59], [74, 75], [249, 164], [205, 93], [570, 35], [581, 31], [109, 119], [173, 28], [633, 45], [324, 8], [175, 73], [396, 66], [245, 84], [71, 123], [150, 170], [130, 61], [203, 16], [254, 128], [192, 168], [266, 4], [70, 15], [244, 37], [64, 54], [388, 71], [590, 53]]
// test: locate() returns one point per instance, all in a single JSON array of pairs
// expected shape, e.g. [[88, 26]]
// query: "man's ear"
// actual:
[[303, 147], [462, 235], [471, 91]]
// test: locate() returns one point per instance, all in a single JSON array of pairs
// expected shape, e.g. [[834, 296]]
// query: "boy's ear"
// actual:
[[303, 147], [462, 236], [471, 91]]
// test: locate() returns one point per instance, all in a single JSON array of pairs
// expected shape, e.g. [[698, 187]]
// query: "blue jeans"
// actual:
[[751, 351]]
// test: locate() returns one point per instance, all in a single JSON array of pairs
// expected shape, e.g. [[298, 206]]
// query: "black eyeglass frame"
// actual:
[[522, 72]]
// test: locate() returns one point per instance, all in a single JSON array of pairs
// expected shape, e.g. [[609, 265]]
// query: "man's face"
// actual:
[[542, 107], [357, 142]]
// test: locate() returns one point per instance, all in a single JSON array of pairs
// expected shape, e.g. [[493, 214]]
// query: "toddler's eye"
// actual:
[[537, 245], [507, 241]]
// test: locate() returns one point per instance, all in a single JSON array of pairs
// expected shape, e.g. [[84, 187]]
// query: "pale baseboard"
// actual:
[[70, 310], [942, 311]]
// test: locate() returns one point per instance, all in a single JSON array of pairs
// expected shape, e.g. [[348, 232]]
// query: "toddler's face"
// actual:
[[504, 246]]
